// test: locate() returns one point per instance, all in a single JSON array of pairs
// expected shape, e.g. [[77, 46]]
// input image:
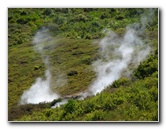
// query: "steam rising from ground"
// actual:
[[116, 55], [40, 91]]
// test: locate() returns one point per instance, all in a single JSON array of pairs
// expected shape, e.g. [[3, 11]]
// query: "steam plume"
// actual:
[[40, 90], [116, 54]]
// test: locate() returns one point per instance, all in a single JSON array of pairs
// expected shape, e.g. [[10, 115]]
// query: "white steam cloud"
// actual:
[[116, 54], [40, 91]]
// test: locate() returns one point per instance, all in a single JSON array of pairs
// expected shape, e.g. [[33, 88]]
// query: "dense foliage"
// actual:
[[127, 99]]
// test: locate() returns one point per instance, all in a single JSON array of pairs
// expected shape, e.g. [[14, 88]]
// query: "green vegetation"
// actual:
[[74, 31]]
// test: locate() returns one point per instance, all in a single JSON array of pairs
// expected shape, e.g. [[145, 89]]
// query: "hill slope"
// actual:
[[75, 34]]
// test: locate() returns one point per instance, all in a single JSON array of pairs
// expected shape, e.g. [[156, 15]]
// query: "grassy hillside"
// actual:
[[75, 33]]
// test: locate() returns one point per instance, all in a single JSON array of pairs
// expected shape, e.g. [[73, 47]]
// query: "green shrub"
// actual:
[[97, 115], [147, 68], [120, 82], [120, 17], [71, 106]]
